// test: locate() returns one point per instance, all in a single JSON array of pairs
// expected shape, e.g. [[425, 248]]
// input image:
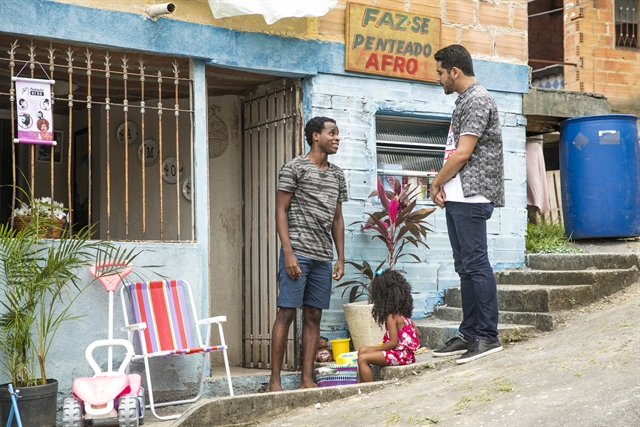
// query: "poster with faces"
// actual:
[[34, 111]]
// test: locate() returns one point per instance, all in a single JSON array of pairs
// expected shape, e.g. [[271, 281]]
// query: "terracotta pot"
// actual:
[[20, 222], [363, 329]]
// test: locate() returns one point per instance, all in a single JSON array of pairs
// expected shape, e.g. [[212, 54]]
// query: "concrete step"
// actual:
[[556, 262], [541, 321], [436, 332], [533, 298], [613, 279], [424, 362]]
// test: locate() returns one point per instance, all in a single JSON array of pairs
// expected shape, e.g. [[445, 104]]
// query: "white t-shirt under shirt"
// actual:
[[453, 187]]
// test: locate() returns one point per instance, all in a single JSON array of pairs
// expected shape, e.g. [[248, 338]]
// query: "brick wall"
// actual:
[[488, 29], [545, 33], [613, 72]]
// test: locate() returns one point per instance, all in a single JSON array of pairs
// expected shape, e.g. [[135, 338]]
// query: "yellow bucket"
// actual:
[[340, 346]]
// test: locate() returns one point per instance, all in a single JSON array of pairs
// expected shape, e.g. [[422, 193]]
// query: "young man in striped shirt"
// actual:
[[309, 221]]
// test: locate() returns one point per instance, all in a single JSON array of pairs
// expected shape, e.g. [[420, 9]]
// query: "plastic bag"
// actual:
[[272, 10]]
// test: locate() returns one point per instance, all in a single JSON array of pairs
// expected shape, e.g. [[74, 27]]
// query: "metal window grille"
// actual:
[[410, 150], [106, 104], [627, 15]]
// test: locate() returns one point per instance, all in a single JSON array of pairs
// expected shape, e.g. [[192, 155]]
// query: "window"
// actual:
[[627, 23], [410, 150], [103, 99]]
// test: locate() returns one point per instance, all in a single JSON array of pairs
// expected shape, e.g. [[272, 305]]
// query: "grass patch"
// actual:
[[392, 418], [503, 386], [462, 403], [548, 237], [513, 335]]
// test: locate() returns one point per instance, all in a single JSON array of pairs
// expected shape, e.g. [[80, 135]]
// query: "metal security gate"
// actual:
[[272, 135]]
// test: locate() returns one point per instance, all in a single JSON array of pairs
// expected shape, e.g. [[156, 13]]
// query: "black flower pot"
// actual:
[[37, 405]]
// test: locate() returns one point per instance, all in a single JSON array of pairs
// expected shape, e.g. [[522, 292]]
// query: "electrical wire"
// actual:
[[559, 9]]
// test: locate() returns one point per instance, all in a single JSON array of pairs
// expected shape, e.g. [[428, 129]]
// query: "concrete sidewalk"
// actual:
[[586, 373]]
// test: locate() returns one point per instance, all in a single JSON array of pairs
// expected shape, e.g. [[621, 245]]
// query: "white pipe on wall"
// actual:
[[161, 9]]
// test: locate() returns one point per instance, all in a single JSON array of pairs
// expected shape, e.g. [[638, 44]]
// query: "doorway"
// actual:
[[272, 134]]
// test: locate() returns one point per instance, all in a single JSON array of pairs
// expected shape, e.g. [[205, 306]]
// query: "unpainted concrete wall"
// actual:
[[225, 228]]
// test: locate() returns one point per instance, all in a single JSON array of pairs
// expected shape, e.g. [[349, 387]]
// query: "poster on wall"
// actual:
[[34, 111], [391, 43]]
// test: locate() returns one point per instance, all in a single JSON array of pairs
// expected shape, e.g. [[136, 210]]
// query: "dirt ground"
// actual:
[[585, 373]]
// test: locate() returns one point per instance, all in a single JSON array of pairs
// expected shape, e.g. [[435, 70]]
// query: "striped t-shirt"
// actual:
[[316, 193]]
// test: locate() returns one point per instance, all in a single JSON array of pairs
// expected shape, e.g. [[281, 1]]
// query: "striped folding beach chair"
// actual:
[[168, 325]]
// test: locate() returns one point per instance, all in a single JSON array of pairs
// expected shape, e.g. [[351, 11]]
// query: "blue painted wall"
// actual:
[[352, 99], [354, 103]]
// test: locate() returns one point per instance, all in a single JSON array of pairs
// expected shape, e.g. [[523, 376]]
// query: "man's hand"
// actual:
[[292, 266], [338, 270], [437, 193], [441, 198]]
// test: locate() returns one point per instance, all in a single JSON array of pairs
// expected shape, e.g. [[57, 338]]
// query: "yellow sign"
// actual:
[[391, 42]]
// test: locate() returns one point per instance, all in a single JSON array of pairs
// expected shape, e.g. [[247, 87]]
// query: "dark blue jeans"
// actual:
[[467, 225]]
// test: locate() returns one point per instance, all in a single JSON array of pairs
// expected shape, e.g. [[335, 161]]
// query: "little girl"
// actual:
[[392, 304]]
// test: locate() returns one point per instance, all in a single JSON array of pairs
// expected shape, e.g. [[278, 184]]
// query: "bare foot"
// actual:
[[307, 384], [274, 386]]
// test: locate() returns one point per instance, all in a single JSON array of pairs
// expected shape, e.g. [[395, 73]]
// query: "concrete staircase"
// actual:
[[538, 296]]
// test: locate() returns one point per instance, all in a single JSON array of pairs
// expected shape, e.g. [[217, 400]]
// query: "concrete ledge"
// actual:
[[436, 332], [580, 261], [541, 321], [567, 277], [424, 362], [534, 298], [251, 409]]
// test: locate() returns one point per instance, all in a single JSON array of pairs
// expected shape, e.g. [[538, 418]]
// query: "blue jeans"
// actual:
[[467, 225]]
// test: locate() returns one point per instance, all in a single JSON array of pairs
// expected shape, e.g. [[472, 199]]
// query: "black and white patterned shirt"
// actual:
[[316, 193], [476, 113]]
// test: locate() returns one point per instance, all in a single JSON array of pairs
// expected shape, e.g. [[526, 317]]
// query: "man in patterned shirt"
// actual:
[[308, 214], [469, 185]]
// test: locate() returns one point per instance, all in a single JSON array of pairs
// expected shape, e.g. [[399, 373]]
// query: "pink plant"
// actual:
[[397, 225]]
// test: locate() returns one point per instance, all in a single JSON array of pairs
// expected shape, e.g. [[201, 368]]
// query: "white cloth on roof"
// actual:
[[272, 10]]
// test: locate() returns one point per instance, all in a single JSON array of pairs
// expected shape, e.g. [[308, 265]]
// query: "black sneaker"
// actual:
[[457, 345], [478, 349]]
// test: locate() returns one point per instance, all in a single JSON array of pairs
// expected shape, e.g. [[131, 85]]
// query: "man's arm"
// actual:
[[337, 232], [283, 201], [458, 159]]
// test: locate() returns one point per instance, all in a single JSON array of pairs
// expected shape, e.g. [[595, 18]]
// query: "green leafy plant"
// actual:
[[548, 237], [396, 225], [39, 282]]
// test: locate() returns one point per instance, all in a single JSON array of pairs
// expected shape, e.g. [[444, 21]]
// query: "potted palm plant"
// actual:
[[397, 224], [39, 281]]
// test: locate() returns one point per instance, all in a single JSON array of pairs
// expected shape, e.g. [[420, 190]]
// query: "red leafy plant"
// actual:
[[396, 225]]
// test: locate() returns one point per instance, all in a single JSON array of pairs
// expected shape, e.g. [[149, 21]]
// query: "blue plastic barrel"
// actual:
[[600, 176]]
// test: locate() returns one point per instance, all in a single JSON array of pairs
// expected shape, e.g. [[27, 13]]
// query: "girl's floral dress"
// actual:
[[408, 343]]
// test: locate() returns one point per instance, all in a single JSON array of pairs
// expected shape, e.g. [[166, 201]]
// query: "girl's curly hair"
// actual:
[[390, 294]]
